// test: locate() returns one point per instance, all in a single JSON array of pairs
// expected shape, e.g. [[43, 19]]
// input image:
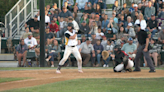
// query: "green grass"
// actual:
[[48, 68], [11, 79], [99, 85]]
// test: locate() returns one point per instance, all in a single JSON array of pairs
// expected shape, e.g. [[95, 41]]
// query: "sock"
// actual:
[[59, 67]]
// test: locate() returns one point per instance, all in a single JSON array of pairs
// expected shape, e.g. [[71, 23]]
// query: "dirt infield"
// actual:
[[40, 77]]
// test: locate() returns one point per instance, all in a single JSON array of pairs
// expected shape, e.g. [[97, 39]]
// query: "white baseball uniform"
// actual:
[[70, 47]]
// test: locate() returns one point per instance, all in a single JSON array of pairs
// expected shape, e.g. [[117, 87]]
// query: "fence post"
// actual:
[[25, 11], [32, 8], [10, 25], [18, 20], [0, 44], [6, 30], [59, 4]]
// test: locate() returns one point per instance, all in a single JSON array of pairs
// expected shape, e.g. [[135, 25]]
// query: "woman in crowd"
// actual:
[[94, 28], [91, 19], [112, 25], [53, 52], [84, 18], [121, 33], [98, 9]]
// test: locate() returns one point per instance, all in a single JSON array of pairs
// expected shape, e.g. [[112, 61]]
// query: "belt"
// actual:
[[72, 46]]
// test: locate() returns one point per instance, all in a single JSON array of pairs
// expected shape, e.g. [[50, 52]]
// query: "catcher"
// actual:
[[122, 62]]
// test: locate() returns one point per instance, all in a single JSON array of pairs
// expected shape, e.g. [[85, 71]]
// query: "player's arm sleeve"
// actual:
[[67, 35]]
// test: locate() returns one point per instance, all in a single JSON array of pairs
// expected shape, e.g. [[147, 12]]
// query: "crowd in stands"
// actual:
[[99, 32]]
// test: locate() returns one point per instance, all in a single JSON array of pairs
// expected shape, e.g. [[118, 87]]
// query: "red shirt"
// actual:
[[54, 28]]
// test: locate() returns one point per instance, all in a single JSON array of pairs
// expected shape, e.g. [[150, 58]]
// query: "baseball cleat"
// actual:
[[47, 60], [80, 71], [58, 72], [152, 71]]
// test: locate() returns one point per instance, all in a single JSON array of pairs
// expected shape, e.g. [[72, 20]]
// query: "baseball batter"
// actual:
[[70, 47]]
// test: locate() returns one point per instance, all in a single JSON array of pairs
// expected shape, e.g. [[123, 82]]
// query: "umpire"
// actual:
[[142, 48]]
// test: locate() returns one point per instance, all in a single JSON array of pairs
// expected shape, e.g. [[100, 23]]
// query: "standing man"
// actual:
[[142, 49], [71, 42]]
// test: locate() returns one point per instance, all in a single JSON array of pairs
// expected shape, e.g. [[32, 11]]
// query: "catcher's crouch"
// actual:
[[122, 62]]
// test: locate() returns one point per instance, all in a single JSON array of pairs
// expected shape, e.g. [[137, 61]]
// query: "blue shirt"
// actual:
[[104, 24], [129, 48]]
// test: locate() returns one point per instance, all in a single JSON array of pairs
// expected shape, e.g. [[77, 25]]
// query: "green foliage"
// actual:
[[6, 5], [99, 85]]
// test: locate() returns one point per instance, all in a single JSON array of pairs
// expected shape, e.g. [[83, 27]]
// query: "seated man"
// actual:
[[86, 49], [49, 36], [21, 51], [84, 28], [129, 48], [152, 25], [80, 4], [33, 23], [30, 42], [98, 50], [122, 62], [36, 33]]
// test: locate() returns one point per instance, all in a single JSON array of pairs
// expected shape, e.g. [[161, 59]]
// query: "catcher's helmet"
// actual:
[[70, 25], [118, 47]]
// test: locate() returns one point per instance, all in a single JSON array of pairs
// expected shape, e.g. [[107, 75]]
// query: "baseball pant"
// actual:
[[139, 54], [75, 52]]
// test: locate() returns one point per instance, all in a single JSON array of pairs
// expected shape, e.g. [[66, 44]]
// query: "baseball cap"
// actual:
[[103, 36], [109, 29], [135, 5], [36, 16], [130, 24], [130, 39], [88, 39], [84, 21], [148, 32]]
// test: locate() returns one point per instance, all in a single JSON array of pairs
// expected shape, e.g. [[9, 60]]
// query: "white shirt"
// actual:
[[62, 24], [76, 26], [71, 42], [98, 35], [47, 19], [81, 3], [30, 42], [143, 24]]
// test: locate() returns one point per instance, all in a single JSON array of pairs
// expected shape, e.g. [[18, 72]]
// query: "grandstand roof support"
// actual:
[[42, 33]]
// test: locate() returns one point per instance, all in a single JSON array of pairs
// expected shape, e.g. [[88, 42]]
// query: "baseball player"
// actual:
[[70, 47], [122, 61]]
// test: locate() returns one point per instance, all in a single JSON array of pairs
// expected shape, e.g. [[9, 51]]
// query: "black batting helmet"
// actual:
[[71, 25], [117, 47]]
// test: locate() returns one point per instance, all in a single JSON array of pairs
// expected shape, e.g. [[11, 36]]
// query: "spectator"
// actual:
[[104, 42], [61, 23], [121, 21], [100, 34], [49, 36], [130, 31], [110, 35], [36, 33], [33, 23], [83, 39], [135, 17], [68, 4], [102, 17], [94, 28], [52, 14], [156, 6], [124, 7], [113, 25], [54, 28], [141, 22], [121, 33], [74, 14], [55, 19], [91, 19], [94, 40], [98, 9], [21, 52], [108, 50], [84, 18], [153, 52], [102, 4], [135, 10], [150, 10], [56, 8], [65, 13], [161, 36], [161, 14], [75, 24], [87, 51], [129, 48], [141, 8], [104, 23], [129, 20], [115, 7], [47, 19], [131, 9], [80, 4], [98, 50], [97, 20], [90, 8], [152, 25], [26, 33], [114, 17], [53, 51], [30, 42], [84, 28], [93, 2]]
